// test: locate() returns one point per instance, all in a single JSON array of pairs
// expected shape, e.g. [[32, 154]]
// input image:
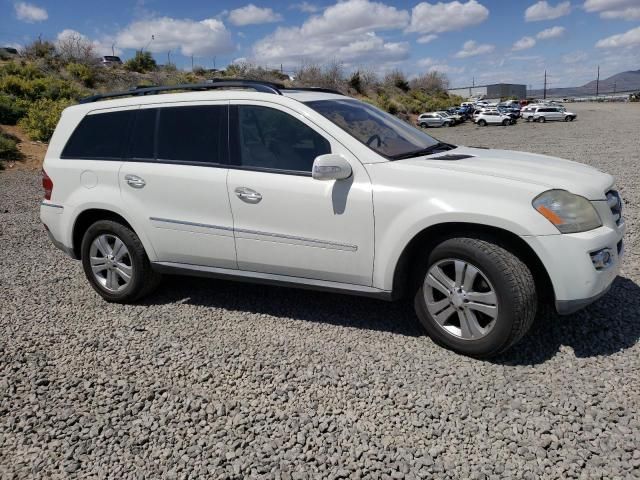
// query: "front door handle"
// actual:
[[135, 181], [247, 195]]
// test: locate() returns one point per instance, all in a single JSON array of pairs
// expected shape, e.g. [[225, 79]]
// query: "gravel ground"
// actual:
[[211, 379]]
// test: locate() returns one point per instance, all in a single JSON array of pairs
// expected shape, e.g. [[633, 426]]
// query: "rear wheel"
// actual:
[[542, 119], [115, 262], [476, 297]]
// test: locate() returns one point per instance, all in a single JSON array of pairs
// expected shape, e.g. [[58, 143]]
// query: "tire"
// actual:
[[500, 272], [482, 123], [505, 122], [424, 125], [567, 119], [542, 119], [451, 124], [114, 269], [572, 119], [528, 119]]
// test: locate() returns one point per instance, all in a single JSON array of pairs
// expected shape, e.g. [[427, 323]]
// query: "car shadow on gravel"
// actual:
[[608, 326], [298, 304]]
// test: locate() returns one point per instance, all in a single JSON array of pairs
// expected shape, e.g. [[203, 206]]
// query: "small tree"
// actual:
[[397, 79], [431, 82], [355, 82], [141, 63], [40, 49], [76, 48]]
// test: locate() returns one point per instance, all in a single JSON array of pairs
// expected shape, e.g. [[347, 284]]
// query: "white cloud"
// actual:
[[427, 38], [305, 7], [30, 13], [627, 39], [345, 32], [614, 9], [472, 48], [445, 17], [524, 43], [601, 5], [252, 15], [101, 46], [543, 11], [553, 32], [190, 37]]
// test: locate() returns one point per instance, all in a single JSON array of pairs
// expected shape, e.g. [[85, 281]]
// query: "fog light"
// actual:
[[602, 258]]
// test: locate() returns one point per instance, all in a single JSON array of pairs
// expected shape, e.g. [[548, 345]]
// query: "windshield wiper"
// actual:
[[438, 147]]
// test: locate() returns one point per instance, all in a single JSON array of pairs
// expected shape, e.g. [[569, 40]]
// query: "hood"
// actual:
[[542, 170]]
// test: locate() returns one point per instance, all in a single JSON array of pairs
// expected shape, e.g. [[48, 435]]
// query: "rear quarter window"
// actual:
[[100, 136]]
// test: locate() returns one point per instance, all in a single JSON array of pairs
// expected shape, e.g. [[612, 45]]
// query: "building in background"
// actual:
[[494, 91]]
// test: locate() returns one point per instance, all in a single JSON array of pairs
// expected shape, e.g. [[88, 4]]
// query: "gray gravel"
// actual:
[[209, 379]]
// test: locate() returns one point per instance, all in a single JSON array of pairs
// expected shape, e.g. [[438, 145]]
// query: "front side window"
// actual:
[[100, 136], [385, 134], [274, 140], [193, 134]]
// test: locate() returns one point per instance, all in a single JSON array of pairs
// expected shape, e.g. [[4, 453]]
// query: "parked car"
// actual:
[[493, 118], [434, 119], [108, 60], [543, 114], [453, 116], [306, 188], [510, 113]]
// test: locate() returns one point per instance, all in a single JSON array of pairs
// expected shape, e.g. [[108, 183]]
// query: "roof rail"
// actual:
[[265, 87], [315, 89]]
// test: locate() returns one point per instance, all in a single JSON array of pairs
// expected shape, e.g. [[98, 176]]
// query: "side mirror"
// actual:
[[331, 167]]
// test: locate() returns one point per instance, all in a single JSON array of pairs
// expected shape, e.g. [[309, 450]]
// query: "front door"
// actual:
[[174, 184], [285, 222]]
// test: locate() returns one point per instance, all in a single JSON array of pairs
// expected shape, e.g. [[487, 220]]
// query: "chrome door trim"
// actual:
[[52, 205], [252, 234], [191, 224]]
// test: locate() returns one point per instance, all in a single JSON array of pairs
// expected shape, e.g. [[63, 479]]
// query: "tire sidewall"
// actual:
[[502, 330], [137, 260]]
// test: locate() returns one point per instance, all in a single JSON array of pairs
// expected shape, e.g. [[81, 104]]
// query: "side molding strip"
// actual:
[[250, 234]]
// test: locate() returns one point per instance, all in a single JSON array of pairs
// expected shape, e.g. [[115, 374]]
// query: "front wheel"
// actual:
[[475, 297], [542, 119], [115, 262], [482, 123], [505, 122]]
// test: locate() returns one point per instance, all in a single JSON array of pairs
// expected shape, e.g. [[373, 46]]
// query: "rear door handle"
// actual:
[[135, 181], [248, 195]]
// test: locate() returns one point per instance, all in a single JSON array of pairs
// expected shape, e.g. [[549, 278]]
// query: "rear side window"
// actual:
[[100, 136], [194, 134], [142, 145]]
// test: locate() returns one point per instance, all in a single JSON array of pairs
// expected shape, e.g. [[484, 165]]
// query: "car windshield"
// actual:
[[383, 133]]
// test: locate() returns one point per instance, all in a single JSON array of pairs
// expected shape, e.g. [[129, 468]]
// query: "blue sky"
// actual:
[[470, 40]]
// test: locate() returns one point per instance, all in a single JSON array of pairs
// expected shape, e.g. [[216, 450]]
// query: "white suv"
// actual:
[[545, 113], [492, 117], [310, 188]]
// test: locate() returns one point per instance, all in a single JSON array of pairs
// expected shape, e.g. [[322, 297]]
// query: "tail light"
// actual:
[[47, 184]]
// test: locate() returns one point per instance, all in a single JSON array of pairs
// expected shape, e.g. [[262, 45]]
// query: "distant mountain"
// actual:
[[620, 82]]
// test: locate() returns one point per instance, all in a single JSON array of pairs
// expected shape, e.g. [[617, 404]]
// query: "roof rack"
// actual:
[[257, 85]]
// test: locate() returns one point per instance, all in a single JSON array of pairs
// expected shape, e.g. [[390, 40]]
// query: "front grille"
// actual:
[[615, 204]]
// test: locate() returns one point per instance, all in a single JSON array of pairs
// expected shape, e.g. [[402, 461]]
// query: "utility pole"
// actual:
[[113, 49], [192, 63], [598, 82], [545, 85], [169, 57], [614, 88], [214, 63]]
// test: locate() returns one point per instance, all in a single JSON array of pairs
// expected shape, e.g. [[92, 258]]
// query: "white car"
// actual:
[[313, 189], [492, 117]]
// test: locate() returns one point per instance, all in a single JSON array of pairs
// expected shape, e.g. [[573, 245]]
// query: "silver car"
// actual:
[[433, 119], [546, 113]]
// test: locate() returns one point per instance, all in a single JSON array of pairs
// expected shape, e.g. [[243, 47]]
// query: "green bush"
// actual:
[[82, 72], [11, 110], [42, 117], [23, 69], [45, 87], [141, 63]]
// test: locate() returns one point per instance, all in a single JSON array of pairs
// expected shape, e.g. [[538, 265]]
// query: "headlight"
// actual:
[[568, 212]]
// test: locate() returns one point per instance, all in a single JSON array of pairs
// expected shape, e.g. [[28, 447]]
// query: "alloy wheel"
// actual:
[[111, 262], [460, 299]]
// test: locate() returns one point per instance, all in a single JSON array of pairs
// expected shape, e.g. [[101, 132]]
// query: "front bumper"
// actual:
[[566, 257]]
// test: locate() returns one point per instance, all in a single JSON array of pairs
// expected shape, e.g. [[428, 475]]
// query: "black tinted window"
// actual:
[[193, 134], [142, 135], [273, 139], [101, 135]]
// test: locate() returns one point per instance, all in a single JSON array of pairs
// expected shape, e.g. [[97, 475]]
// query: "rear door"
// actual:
[[174, 183]]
